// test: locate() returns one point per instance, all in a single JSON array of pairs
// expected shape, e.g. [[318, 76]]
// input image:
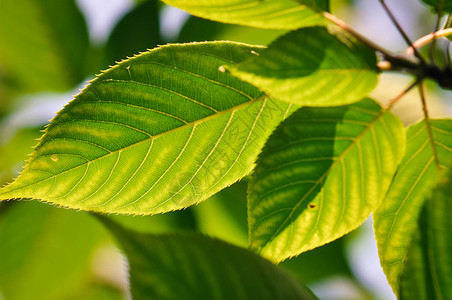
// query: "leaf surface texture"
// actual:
[[314, 67], [427, 271], [321, 174], [156, 133], [395, 220], [271, 14]]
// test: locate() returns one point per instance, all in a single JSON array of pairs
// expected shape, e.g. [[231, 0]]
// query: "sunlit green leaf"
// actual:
[[427, 271], [312, 66], [136, 32], [45, 252], [396, 218], [440, 5], [320, 175], [192, 266], [156, 133], [271, 14], [43, 44]]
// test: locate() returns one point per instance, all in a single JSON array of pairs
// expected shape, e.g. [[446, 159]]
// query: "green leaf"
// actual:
[[396, 218], [43, 44], [271, 14], [312, 66], [156, 133], [192, 266], [45, 252], [321, 174], [440, 5], [224, 216], [197, 29], [14, 152], [161, 223], [320, 263], [427, 271], [136, 32]]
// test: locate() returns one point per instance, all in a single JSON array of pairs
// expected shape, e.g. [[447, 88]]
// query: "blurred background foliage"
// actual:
[[49, 49]]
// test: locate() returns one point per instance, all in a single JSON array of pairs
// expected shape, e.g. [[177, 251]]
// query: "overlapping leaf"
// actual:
[[191, 266], [271, 14], [313, 66], [158, 132], [320, 175], [427, 271], [43, 44], [396, 218]]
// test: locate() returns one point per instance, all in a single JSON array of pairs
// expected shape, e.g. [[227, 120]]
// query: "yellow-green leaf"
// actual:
[[396, 218], [271, 14], [155, 133], [314, 67], [321, 174]]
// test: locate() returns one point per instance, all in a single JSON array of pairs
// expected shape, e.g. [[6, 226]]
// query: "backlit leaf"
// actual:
[[192, 266], [312, 66], [396, 218], [271, 14], [156, 133], [427, 271], [320, 175]]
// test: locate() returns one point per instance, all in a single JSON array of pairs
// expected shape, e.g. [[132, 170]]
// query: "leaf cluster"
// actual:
[[165, 133]]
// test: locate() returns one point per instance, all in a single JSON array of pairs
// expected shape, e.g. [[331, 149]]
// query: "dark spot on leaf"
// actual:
[[312, 206]]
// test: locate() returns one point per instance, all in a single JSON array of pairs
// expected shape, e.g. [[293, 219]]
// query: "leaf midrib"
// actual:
[[202, 120]]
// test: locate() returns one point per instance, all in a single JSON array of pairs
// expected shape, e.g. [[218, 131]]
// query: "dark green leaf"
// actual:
[[191, 266], [440, 5], [396, 218], [320, 263], [138, 31], [156, 133], [314, 67], [321, 174]]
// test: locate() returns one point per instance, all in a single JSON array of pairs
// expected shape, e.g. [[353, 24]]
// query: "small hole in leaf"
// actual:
[[222, 69], [54, 157], [312, 206]]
